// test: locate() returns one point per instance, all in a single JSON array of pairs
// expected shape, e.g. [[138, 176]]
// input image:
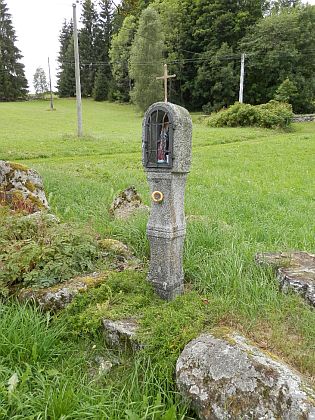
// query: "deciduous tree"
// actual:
[[146, 60], [40, 82], [120, 55], [281, 46], [286, 92]]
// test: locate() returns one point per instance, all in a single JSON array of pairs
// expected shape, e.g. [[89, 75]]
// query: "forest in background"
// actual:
[[123, 48]]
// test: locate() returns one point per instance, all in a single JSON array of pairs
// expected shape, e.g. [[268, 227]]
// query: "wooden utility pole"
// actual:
[[240, 98], [77, 71], [165, 78], [51, 96]]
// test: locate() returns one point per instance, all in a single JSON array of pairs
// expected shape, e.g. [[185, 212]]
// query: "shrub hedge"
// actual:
[[270, 115]]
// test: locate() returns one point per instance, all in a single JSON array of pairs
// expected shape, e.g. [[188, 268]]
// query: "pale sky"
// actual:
[[37, 24]]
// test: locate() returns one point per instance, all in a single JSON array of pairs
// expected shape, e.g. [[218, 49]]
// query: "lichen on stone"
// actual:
[[21, 188], [18, 167], [295, 271], [119, 255], [232, 381], [60, 295], [127, 203]]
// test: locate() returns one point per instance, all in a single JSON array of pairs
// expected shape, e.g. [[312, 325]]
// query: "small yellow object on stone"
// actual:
[[157, 196]]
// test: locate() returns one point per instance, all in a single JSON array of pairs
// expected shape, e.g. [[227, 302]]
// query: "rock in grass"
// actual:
[[228, 378], [118, 254], [57, 297], [295, 271], [126, 204], [21, 188], [39, 216], [121, 334]]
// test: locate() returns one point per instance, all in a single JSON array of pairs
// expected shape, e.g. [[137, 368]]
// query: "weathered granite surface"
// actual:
[[60, 295], [166, 232], [166, 228], [103, 366], [228, 378], [295, 271], [126, 204], [121, 334], [21, 188]]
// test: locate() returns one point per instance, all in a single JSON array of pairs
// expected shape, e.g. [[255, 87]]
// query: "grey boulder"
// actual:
[[127, 204], [21, 188], [295, 271], [228, 378], [121, 334]]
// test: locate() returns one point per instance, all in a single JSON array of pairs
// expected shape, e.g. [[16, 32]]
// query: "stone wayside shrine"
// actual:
[[166, 156]]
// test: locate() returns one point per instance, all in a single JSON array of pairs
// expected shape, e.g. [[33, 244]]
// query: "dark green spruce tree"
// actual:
[[103, 80], [13, 84], [87, 47], [219, 78], [66, 73]]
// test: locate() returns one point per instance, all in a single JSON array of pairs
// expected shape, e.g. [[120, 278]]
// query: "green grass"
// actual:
[[58, 378], [249, 190]]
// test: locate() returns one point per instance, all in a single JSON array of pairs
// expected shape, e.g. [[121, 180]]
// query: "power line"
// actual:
[[232, 57]]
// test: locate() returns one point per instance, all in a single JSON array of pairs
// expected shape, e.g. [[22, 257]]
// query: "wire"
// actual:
[[232, 57]]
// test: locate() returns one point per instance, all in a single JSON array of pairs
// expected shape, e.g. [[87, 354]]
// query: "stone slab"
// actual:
[[121, 334], [60, 295], [119, 255], [295, 271], [229, 378]]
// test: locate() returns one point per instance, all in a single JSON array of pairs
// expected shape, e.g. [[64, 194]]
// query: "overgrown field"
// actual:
[[249, 190]]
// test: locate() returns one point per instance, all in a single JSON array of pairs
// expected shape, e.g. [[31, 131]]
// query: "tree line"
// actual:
[[94, 44], [123, 48]]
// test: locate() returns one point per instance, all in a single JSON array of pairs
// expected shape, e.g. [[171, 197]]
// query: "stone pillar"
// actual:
[[166, 146]]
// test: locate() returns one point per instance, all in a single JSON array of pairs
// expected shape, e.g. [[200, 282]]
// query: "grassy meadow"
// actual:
[[249, 190]]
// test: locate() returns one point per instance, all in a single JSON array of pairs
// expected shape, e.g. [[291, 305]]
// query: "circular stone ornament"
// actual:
[[157, 196]]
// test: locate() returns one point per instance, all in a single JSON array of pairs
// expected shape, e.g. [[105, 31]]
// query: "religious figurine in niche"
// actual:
[[163, 143]]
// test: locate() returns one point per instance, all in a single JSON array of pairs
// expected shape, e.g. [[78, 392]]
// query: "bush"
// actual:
[[271, 115]]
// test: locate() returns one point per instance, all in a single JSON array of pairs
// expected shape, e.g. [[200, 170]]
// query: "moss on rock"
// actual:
[[18, 167], [234, 379], [60, 295], [21, 188]]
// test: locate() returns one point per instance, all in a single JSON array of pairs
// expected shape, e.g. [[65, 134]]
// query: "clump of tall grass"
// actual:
[[51, 375]]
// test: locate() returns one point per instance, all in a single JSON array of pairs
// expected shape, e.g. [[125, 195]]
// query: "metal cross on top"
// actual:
[[165, 78]]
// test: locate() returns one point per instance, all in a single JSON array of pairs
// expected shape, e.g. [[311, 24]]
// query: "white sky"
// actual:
[[37, 25]]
